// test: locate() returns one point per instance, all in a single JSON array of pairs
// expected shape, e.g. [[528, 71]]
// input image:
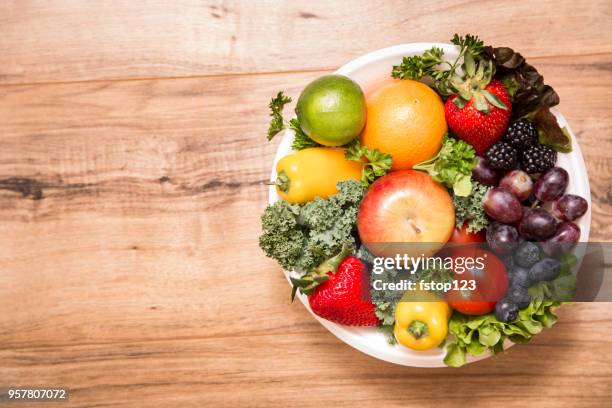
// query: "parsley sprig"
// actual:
[[433, 65], [375, 163], [452, 166], [277, 123], [276, 112]]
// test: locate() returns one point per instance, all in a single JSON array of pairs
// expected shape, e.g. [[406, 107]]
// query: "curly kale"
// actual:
[[384, 300], [469, 209], [301, 237]]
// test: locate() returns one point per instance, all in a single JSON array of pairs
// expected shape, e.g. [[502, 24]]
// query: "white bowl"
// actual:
[[370, 71]]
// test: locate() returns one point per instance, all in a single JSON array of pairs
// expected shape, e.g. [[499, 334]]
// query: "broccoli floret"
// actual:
[[300, 237]]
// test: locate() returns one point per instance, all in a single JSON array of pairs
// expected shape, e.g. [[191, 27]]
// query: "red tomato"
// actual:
[[479, 287], [462, 236]]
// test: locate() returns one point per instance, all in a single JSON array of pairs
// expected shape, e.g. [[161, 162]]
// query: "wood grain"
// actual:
[[206, 134], [264, 368], [71, 40], [129, 209]]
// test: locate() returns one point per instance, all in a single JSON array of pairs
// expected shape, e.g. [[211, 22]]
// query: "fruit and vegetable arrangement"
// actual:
[[458, 157]]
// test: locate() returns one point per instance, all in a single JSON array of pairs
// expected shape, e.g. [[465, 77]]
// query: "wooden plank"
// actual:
[[82, 141], [296, 365], [73, 40], [129, 213]]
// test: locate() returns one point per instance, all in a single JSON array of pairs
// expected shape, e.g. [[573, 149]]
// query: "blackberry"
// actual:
[[502, 156], [522, 134], [538, 159]]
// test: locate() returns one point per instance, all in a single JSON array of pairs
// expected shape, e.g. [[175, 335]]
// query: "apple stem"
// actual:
[[414, 227]]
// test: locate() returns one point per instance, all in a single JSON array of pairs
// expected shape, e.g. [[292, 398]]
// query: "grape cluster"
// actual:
[[528, 237]]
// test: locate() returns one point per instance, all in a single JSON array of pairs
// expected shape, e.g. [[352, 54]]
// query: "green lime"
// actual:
[[332, 110]]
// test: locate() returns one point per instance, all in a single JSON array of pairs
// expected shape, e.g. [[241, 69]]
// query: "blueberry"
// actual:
[[519, 276], [508, 260], [519, 295], [506, 310], [527, 254], [545, 270]]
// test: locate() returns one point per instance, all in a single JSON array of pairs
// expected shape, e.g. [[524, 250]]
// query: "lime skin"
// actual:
[[332, 110]]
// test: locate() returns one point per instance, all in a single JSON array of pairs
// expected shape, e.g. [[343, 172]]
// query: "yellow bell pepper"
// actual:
[[422, 324], [313, 172]]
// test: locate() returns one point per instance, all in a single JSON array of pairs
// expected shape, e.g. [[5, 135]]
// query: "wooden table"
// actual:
[[133, 152]]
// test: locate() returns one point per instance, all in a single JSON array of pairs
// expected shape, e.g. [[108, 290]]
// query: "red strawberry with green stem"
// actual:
[[343, 296], [478, 111]]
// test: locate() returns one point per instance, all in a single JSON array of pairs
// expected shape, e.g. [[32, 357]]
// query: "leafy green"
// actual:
[[276, 112], [470, 209], [384, 300], [417, 66], [432, 64], [277, 123], [562, 288], [301, 237], [469, 43], [300, 140], [531, 97], [549, 132], [375, 163], [452, 166], [475, 334], [435, 275], [387, 329]]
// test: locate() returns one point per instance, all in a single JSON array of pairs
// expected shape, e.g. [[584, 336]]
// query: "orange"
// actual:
[[406, 119]]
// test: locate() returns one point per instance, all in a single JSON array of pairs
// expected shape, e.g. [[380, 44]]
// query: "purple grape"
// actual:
[[518, 183], [551, 184], [502, 206], [569, 207], [502, 238], [483, 173], [537, 224], [564, 239]]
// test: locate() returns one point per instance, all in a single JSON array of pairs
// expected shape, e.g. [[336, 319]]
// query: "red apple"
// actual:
[[405, 206]]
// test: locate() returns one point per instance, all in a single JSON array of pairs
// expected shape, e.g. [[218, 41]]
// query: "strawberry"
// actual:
[[344, 297], [481, 120], [477, 108]]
